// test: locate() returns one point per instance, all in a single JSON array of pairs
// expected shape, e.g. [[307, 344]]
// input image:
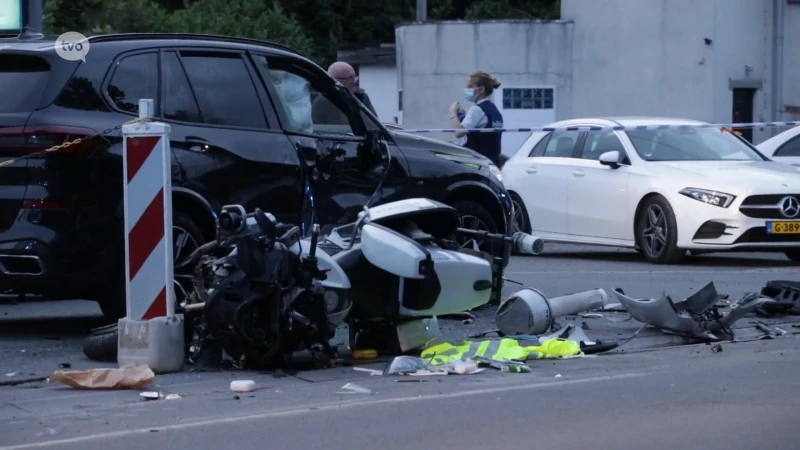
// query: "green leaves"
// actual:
[[257, 19]]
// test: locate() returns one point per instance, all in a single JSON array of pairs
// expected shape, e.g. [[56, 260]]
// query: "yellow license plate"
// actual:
[[783, 227]]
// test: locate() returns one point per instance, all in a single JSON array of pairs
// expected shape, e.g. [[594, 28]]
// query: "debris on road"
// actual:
[[352, 388], [126, 377], [243, 385], [697, 316], [529, 311], [716, 348]]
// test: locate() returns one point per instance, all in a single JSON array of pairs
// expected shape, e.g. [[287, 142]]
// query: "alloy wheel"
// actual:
[[654, 235], [184, 244], [519, 217], [470, 222]]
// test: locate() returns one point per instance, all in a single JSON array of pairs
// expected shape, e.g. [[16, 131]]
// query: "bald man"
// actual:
[[345, 74]]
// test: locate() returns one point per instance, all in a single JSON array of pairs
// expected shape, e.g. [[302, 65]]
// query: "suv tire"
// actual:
[[113, 305], [665, 230]]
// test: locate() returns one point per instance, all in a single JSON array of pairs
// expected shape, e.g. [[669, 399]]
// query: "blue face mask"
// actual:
[[469, 94]]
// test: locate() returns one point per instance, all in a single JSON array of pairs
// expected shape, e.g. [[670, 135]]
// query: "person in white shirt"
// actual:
[[483, 114]]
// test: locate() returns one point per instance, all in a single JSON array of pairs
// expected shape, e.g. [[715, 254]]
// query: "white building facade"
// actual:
[[715, 60]]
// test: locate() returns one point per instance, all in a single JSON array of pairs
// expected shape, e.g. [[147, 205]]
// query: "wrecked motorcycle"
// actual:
[[260, 294], [265, 293]]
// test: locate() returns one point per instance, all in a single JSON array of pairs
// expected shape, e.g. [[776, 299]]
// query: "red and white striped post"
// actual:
[[150, 333]]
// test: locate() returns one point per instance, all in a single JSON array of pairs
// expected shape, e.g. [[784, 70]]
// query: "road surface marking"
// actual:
[[316, 409], [653, 272]]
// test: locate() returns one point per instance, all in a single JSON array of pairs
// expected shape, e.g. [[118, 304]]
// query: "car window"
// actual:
[[561, 144], [599, 142], [224, 89], [790, 147], [312, 104], [179, 101], [135, 78], [692, 144], [538, 149]]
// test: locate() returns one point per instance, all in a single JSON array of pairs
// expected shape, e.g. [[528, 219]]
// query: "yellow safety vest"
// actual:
[[439, 352]]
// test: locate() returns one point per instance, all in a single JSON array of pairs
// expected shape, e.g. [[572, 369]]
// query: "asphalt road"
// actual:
[[745, 397]]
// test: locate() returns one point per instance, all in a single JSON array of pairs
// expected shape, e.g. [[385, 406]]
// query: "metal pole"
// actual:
[[422, 10], [35, 13], [777, 66]]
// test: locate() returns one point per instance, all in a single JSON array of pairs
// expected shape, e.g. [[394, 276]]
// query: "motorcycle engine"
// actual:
[[261, 302]]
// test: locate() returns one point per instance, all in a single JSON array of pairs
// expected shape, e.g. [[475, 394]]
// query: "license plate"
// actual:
[[783, 227]]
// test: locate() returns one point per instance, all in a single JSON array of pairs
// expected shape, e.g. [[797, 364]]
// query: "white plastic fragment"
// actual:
[[352, 388], [149, 395], [371, 372], [243, 386], [558, 375]]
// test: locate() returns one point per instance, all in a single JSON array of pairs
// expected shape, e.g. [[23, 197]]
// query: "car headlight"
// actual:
[[496, 172], [715, 198]]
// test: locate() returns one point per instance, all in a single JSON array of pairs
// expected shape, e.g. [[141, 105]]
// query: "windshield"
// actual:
[[691, 144]]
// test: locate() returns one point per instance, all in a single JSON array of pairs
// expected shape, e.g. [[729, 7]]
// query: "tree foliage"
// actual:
[[257, 19], [313, 27]]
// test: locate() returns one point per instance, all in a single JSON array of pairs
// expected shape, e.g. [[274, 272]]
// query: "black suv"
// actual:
[[247, 127]]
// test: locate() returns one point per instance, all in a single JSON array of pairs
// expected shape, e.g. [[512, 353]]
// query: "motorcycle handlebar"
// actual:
[[520, 242]]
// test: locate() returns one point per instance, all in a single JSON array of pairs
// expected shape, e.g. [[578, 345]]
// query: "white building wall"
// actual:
[[791, 61], [380, 82], [435, 59], [607, 58], [650, 57]]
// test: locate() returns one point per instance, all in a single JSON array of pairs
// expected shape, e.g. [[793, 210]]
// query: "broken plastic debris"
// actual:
[[372, 372], [352, 388], [591, 315], [11, 374], [716, 348], [558, 375], [150, 395], [403, 365], [467, 367], [172, 396], [696, 316], [243, 385], [125, 377]]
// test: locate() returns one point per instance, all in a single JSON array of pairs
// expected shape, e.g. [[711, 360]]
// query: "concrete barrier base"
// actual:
[[158, 343]]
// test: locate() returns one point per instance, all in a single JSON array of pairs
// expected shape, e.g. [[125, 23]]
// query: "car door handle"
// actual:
[[578, 173], [196, 144], [531, 170]]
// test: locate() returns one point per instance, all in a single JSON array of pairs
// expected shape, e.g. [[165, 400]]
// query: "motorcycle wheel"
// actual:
[[101, 344]]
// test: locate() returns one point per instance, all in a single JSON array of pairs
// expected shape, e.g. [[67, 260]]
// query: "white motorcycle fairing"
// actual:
[[432, 281]]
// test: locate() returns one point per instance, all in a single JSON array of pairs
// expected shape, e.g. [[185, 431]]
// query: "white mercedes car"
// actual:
[[784, 147], [660, 191]]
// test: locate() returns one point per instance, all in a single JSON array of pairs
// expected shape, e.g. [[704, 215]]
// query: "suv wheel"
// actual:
[[473, 216], [657, 232], [186, 238]]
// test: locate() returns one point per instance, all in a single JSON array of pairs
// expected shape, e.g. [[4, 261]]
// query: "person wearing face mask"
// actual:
[[483, 114]]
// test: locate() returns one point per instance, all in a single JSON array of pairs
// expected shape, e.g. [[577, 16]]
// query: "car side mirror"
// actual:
[[611, 159]]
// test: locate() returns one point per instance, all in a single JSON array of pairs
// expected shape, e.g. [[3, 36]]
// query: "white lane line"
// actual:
[[317, 409]]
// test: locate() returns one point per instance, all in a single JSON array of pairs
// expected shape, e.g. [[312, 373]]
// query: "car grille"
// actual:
[[765, 206], [759, 235]]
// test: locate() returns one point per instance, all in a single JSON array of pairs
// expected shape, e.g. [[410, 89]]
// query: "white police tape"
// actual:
[[608, 127]]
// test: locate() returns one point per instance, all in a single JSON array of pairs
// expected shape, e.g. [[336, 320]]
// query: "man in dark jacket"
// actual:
[[324, 111]]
